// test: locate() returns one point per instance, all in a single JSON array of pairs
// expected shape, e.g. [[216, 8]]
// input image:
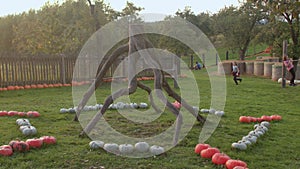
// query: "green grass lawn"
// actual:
[[255, 96]]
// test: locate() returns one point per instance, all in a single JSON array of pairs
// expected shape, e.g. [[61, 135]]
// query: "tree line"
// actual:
[[64, 28]]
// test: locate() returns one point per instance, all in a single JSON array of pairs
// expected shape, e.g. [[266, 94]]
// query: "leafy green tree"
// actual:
[[238, 26], [286, 11], [203, 20]]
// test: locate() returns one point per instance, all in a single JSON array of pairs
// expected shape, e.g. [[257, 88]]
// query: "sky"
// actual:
[[166, 7]]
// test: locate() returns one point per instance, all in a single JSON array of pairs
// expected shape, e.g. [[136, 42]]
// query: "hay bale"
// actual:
[[268, 68], [224, 67], [276, 71], [249, 67], [298, 72], [258, 68], [242, 66]]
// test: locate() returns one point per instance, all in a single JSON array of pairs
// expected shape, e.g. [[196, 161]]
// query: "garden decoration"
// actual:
[[137, 42]]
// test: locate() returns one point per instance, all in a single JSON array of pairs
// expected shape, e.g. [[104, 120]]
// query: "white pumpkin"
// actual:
[[263, 128], [63, 110], [111, 147], [98, 106], [96, 144], [259, 132], [23, 122], [252, 139], [120, 105], [134, 105], [247, 142], [71, 110], [204, 110], [156, 150], [239, 145], [143, 105], [142, 147], [265, 123], [22, 128], [29, 130], [253, 133], [212, 111], [126, 148], [220, 113]]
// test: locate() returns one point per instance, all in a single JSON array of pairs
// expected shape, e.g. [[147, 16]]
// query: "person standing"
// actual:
[[288, 63], [236, 73]]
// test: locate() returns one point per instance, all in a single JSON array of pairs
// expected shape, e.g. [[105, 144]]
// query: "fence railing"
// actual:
[[36, 70]]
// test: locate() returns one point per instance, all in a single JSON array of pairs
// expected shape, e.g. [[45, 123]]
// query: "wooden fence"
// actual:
[[18, 71], [36, 70]]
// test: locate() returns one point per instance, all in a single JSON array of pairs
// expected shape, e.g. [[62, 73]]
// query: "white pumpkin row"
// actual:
[[213, 111], [25, 127], [251, 138], [119, 105], [125, 149]]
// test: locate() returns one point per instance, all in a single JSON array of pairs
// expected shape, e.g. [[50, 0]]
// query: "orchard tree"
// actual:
[[284, 11], [238, 26]]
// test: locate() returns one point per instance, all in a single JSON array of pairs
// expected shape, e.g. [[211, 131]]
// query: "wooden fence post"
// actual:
[[63, 70], [284, 52]]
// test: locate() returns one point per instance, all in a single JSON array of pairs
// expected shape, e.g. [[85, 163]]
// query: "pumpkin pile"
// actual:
[[213, 111], [127, 149], [24, 146], [250, 119], [20, 114], [259, 130], [218, 158], [25, 127], [114, 106]]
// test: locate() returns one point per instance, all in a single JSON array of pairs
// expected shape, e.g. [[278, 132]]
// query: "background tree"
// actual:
[[238, 26], [286, 11]]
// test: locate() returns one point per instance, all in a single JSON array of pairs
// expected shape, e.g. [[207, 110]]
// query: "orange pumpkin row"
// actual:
[[249, 119], [33, 86], [23, 146], [21, 114], [218, 158]]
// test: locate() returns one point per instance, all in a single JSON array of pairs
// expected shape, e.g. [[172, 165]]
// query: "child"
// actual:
[[290, 67], [236, 73], [197, 66]]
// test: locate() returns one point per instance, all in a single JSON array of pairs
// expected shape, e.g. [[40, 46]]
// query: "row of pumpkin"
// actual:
[[33, 86], [73, 83], [19, 113], [250, 139], [24, 146], [250, 119], [127, 149], [114, 106], [218, 158]]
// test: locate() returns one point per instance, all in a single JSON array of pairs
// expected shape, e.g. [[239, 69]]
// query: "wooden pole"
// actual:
[[192, 62], [284, 52]]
